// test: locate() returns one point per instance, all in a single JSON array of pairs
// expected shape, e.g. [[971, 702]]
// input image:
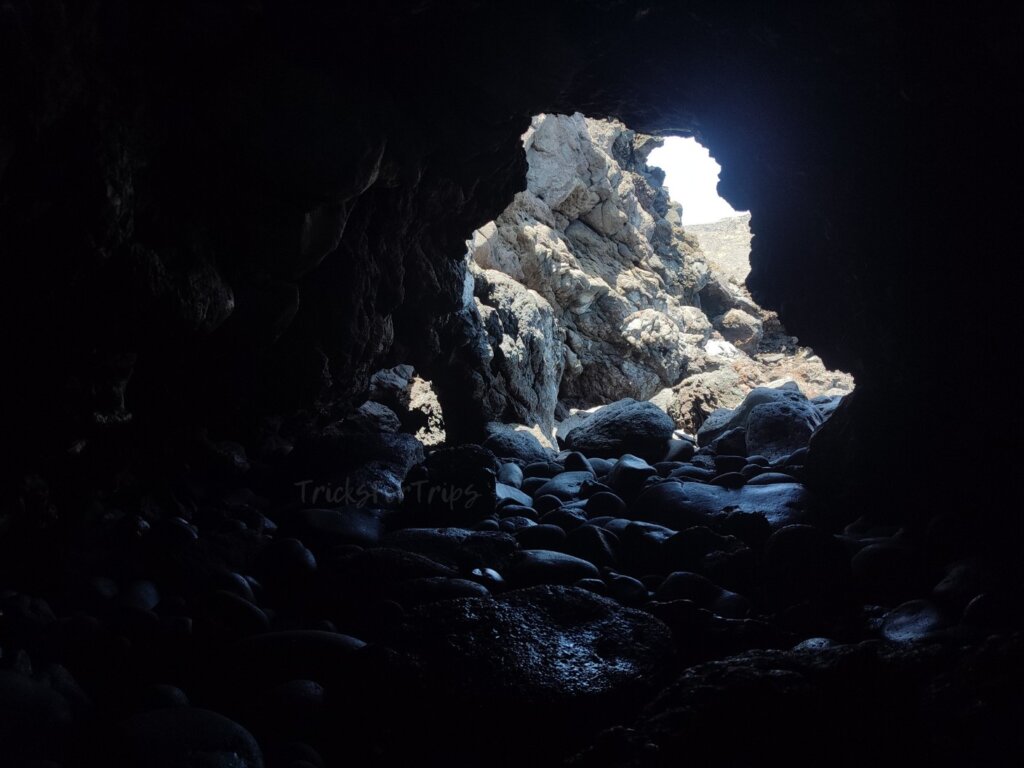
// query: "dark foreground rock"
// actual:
[[548, 661], [870, 703], [626, 426]]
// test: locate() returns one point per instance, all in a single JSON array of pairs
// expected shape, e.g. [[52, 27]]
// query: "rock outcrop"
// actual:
[[595, 236]]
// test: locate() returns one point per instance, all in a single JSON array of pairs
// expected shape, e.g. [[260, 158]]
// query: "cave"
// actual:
[[250, 256]]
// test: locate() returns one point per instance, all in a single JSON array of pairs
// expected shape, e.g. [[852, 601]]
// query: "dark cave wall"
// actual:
[[215, 211]]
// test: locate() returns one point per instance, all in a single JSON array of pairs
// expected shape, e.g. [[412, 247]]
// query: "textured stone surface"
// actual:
[[590, 235], [543, 644], [625, 426]]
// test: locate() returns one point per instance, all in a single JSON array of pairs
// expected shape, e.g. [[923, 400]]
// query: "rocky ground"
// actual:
[[633, 600]]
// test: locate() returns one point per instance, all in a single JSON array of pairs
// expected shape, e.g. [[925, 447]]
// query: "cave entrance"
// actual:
[[598, 283]]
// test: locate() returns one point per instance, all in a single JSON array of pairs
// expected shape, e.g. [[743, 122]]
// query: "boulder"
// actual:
[[783, 422], [626, 426]]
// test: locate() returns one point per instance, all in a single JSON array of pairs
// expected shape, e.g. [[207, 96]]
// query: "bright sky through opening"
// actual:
[[691, 175]]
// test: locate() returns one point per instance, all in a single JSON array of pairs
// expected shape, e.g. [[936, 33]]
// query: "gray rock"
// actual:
[[510, 441], [777, 430], [541, 566], [699, 396], [783, 424], [680, 505], [503, 492], [741, 329], [372, 417], [526, 345], [565, 485], [511, 474], [626, 426], [913, 621], [628, 474]]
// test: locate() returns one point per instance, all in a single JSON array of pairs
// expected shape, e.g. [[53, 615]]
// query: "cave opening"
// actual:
[[619, 272]]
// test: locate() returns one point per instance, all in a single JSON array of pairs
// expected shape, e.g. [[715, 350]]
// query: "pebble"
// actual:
[[912, 621], [233, 582], [511, 474], [601, 466], [595, 545], [544, 503], [577, 462], [544, 536], [510, 493], [679, 450], [565, 485], [142, 595], [567, 518], [605, 503], [626, 589], [815, 644], [690, 472], [516, 510], [628, 475], [545, 469], [531, 485], [593, 487], [514, 523], [729, 480], [540, 566], [489, 577]]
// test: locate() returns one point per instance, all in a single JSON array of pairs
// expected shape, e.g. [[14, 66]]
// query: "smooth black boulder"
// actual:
[[625, 426]]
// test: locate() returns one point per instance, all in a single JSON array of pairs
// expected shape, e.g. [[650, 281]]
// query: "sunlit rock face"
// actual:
[[223, 212], [591, 236]]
